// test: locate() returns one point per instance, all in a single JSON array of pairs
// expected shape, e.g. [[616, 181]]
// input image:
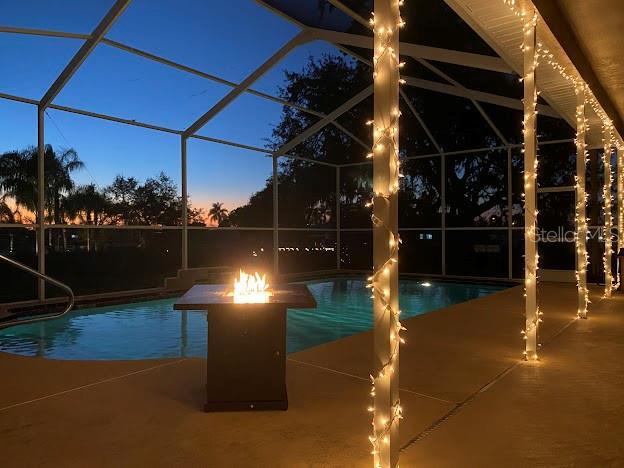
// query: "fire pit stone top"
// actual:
[[207, 296]]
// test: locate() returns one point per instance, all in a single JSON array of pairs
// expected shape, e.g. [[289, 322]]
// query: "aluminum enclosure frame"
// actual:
[[420, 53]]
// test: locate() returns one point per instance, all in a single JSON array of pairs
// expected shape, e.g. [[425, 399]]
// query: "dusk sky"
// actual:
[[228, 39]]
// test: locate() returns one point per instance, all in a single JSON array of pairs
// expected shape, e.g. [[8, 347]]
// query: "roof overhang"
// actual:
[[590, 32], [497, 24]]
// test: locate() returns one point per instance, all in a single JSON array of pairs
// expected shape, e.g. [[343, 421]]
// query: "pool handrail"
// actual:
[[63, 286]]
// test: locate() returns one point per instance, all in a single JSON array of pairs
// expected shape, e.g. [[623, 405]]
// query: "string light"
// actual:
[[620, 204], [607, 131], [581, 203], [386, 67], [543, 55], [532, 311], [607, 125]]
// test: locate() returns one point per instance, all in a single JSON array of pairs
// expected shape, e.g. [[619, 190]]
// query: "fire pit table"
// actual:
[[246, 361]]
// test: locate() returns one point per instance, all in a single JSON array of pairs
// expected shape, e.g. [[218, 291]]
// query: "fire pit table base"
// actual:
[[246, 362], [215, 406], [246, 357]]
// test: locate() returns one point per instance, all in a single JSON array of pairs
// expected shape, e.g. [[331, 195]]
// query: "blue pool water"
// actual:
[[153, 329]]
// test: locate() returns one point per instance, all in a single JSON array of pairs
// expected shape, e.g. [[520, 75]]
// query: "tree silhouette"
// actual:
[[476, 189], [307, 190], [6, 213], [125, 201], [122, 195], [18, 178], [58, 180], [88, 204], [476, 184], [156, 201], [18, 172], [217, 213]]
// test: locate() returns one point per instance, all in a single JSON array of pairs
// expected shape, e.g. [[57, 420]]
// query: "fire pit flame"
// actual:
[[251, 289]]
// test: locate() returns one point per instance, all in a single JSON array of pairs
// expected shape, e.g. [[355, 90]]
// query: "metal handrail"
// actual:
[[50, 280]]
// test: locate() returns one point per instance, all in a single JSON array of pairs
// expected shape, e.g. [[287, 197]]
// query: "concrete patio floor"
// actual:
[[468, 399]]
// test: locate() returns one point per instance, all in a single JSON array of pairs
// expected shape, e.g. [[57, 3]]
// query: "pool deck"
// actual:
[[468, 399]]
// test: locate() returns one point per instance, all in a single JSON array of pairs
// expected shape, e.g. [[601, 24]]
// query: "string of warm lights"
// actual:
[[620, 204], [607, 124], [607, 131], [588, 99], [533, 314], [386, 66], [581, 202], [543, 55], [530, 51]]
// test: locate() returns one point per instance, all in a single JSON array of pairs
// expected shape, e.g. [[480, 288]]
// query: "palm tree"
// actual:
[[58, 169], [18, 178], [217, 213]]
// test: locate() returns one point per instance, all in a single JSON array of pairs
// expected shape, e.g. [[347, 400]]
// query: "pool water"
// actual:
[[152, 329]]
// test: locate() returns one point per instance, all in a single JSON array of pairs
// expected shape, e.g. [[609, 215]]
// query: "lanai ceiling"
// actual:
[[502, 30], [590, 31]]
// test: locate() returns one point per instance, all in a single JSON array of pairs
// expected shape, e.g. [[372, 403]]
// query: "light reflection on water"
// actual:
[[153, 329]]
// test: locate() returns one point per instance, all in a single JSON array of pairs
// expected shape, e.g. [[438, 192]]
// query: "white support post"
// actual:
[[384, 283], [620, 205], [581, 202], [338, 218], [275, 217], [608, 221], [532, 313], [41, 246], [183, 141]]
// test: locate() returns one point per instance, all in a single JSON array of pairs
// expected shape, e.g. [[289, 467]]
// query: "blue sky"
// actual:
[[228, 39]]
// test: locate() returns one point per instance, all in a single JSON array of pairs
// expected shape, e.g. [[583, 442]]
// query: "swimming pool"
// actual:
[[152, 329]]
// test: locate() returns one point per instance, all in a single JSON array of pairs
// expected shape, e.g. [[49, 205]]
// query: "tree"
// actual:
[[6, 213], [18, 174], [88, 204], [475, 184], [195, 215], [58, 169], [122, 195], [476, 191], [154, 202], [307, 190], [217, 213], [18, 178]]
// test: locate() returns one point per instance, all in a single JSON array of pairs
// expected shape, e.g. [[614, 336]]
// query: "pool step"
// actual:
[[185, 279]]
